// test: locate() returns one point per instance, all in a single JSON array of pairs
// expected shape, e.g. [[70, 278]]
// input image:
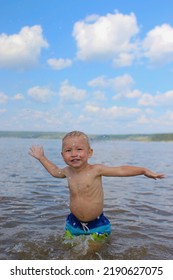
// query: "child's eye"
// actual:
[[79, 149], [68, 150]]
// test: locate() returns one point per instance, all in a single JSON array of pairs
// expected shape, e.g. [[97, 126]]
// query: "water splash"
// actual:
[[83, 245]]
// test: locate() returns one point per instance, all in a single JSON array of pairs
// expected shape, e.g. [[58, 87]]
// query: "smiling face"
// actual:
[[76, 151]]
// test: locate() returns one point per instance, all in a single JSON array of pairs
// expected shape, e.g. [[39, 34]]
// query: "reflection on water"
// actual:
[[34, 206]]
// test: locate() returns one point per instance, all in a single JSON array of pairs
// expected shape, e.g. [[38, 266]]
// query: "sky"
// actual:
[[100, 66]]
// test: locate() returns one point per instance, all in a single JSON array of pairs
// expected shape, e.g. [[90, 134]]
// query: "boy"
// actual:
[[85, 184]]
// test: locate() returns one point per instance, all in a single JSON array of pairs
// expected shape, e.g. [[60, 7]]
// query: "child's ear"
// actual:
[[90, 152]]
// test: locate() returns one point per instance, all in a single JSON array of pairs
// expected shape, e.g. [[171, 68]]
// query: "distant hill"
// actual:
[[31, 134], [59, 135]]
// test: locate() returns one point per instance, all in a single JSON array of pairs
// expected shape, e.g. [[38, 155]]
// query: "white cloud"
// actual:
[[22, 50], [123, 59], [92, 108], [158, 45], [165, 98], [133, 94], [100, 82], [3, 97], [18, 96], [161, 99], [99, 95], [113, 112], [143, 119], [50, 120], [58, 64], [168, 118], [147, 100], [107, 37], [114, 37], [121, 112], [38, 119], [69, 92], [163, 121], [41, 94], [120, 85]]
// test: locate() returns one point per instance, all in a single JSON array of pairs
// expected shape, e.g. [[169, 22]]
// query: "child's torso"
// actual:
[[86, 193]]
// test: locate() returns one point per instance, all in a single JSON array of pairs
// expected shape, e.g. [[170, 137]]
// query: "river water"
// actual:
[[34, 205]]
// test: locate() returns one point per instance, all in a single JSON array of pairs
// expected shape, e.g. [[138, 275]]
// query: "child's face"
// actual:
[[76, 151]]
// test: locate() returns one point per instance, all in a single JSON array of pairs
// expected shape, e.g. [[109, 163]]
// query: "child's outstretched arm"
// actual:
[[125, 171], [38, 153]]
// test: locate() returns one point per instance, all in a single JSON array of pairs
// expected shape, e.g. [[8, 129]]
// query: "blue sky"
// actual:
[[101, 66]]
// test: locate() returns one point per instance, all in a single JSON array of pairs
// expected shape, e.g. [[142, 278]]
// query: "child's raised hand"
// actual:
[[36, 151], [153, 175]]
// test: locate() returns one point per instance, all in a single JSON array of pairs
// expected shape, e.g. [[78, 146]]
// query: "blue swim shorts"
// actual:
[[100, 227]]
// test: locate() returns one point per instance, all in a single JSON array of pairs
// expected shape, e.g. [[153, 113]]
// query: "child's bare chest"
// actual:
[[83, 184], [80, 181], [84, 181]]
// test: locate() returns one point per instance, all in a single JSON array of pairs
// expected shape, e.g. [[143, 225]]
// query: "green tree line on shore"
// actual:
[[59, 135]]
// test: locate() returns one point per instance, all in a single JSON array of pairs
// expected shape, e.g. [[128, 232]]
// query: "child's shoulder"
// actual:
[[97, 167], [65, 170]]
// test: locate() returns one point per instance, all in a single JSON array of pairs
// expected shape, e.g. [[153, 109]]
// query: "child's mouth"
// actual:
[[75, 160]]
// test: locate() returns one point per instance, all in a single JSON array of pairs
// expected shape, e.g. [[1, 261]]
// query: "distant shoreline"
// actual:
[[156, 137]]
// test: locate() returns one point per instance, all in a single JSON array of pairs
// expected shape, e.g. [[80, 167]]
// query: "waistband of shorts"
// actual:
[[90, 221], [78, 231]]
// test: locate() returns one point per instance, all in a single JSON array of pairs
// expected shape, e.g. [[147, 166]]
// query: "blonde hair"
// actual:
[[77, 133]]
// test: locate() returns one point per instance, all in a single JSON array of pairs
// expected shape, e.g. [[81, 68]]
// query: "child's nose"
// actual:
[[74, 153]]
